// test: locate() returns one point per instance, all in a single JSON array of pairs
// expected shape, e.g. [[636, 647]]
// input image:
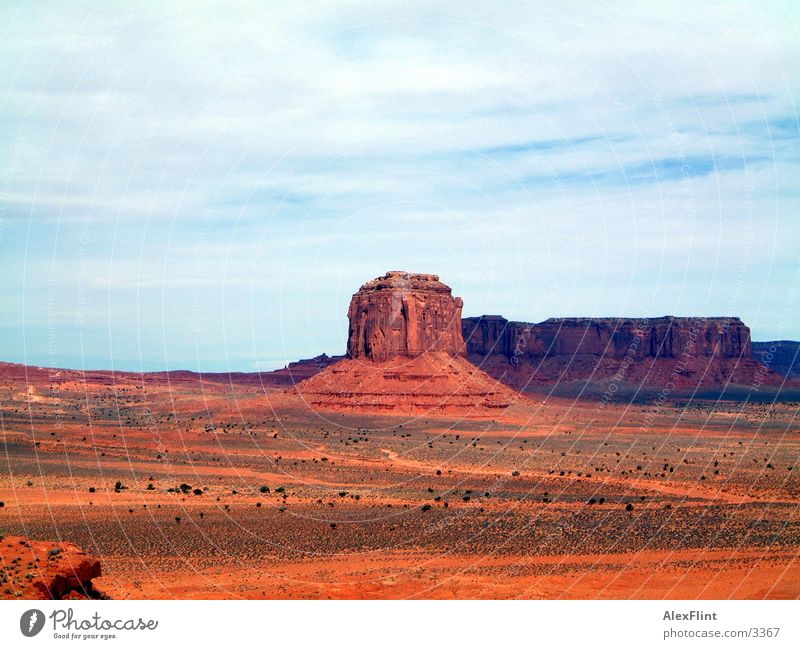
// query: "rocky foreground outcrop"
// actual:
[[46, 570], [663, 353], [404, 314]]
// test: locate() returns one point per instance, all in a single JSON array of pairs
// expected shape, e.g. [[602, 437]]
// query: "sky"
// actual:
[[205, 185]]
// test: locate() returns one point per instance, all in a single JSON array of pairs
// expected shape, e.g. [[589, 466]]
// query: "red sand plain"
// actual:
[[239, 490]]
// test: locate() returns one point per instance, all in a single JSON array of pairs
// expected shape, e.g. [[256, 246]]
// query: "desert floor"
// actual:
[[195, 489]]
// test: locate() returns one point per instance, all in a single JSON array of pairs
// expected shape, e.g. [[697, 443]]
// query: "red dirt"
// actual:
[[384, 504]]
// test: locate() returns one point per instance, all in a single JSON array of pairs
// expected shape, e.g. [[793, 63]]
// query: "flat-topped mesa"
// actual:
[[639, 338], [683, 353], [406, 315]]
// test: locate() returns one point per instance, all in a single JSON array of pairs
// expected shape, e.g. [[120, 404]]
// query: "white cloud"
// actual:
[[246, 149]]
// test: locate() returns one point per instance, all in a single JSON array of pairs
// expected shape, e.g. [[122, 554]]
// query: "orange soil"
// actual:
[[528, 501], [720, 574]]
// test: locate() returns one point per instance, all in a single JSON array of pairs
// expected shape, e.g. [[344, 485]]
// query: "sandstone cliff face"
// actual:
[[404, 314], [665, 337], [653, 353]]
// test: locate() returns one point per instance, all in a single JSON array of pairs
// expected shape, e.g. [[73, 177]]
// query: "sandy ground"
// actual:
[[239, 491], [693, 574]]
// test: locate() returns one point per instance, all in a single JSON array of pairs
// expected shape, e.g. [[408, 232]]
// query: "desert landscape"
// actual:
[[404, 470]]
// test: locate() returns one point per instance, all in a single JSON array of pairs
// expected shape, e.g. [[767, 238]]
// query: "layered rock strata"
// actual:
[[404, 314], [664, 352]]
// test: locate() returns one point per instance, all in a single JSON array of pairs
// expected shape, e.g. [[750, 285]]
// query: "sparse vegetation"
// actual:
[[390, 468]]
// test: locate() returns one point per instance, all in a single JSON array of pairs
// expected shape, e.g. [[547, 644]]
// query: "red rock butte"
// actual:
[[406, 353], [404, 314]]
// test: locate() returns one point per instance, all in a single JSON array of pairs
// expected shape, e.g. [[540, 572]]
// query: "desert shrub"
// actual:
[[426, 507], [264, 489], [92, 490], [629, 507]]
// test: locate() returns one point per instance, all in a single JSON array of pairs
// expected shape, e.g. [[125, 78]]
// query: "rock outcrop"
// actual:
[[682, 353], [46, 570], [405, 353], [404, 314]]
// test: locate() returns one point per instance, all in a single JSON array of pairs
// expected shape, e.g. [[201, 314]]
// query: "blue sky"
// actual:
[[204, 185]]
